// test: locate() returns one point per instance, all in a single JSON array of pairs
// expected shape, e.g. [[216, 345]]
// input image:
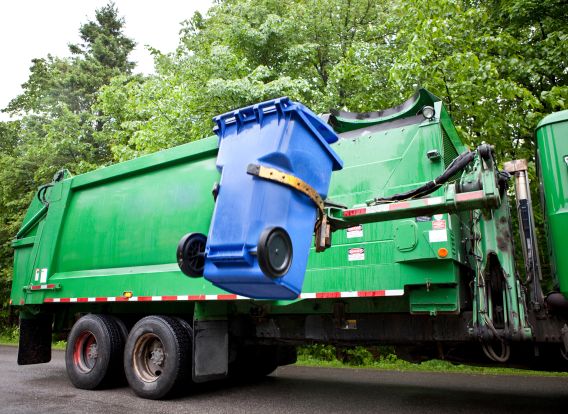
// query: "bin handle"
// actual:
[[322, 227]]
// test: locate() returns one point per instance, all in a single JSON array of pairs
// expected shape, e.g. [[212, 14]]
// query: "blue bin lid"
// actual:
[[321, 129]]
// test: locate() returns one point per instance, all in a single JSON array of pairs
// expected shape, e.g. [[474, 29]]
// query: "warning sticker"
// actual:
[[438, 236], [439, 224], [355, 231], [438, 216], [420, 219], [43, 275], [37, 275], [357, 253]]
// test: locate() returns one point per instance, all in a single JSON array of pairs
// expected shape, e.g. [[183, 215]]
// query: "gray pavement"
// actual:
[[45, 389]]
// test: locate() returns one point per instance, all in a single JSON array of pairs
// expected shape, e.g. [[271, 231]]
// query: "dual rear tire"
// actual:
[[155, 357], [94, 353], [158, 357]]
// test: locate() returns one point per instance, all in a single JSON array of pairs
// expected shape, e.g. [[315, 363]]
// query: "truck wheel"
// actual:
[[274, 252], [121, 326], [94, 353], [123, 331], [190, 254], [157, 357], [253, 362]]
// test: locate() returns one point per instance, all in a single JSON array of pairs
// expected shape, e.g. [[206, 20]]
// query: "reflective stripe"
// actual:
[[320, 295]]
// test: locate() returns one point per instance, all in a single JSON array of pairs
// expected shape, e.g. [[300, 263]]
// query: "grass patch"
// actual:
[[384, 358], [11, 336]]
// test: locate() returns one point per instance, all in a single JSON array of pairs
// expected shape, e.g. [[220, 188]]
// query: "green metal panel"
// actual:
[[561, 116], [405, 235], [116, 229], [552, 144]]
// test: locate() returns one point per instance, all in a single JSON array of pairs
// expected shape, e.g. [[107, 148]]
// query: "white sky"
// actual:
[[33, 28]]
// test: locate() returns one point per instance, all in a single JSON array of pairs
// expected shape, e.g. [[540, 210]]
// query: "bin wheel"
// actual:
[[93, 356], [191, 254], [274, 252], [157, 357]]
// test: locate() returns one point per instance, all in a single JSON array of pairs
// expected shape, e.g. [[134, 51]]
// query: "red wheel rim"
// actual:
[[85, 352]]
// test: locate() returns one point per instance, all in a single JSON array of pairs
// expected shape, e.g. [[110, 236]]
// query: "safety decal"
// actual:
[[43, 277], [37, 275], [354, 231], [439, 224], [357, 253]]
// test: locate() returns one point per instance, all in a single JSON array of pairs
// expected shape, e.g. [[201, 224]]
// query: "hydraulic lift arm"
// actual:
[[477, 189]]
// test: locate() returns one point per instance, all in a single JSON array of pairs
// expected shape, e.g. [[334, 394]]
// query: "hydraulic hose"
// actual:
[[505, 352], [455, 166], [42, 193]]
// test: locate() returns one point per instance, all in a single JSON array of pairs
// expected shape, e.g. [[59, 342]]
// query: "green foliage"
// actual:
[[317, 351], [76, 81], [384, 358], [246, 52], [9, 336]]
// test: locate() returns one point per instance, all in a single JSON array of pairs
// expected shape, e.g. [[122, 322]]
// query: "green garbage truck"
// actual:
[[413, 247]]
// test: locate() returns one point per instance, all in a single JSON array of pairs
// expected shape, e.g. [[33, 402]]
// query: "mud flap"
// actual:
[[35, 339], [210, 350]]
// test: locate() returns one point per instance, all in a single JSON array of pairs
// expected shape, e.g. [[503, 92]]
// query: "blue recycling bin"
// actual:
[[261, 231]]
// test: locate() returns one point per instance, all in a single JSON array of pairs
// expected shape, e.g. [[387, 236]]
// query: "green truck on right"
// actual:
[[413, 247]]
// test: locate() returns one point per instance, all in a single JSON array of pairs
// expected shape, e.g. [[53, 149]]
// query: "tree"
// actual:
[[251, 51], [61, 127], [76, 81]]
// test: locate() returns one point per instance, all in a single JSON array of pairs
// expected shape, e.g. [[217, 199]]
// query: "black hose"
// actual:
[[455, 166], [43, 190]]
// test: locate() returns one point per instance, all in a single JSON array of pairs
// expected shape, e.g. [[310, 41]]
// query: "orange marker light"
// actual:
[[127, 294], [442, 252]]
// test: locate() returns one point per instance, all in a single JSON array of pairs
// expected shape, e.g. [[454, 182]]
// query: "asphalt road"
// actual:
[[45, 389]]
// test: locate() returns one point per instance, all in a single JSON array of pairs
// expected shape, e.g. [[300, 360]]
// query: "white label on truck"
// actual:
[[43, 275], [377, 209], [434, 200], [354, 231], [438, 216], [438, 236], [357, 253], [37, 275]]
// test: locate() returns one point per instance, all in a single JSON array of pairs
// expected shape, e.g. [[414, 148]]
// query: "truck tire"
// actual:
[[121, 326], [157, 357], [253, 362], [123, 331], [94, 353]]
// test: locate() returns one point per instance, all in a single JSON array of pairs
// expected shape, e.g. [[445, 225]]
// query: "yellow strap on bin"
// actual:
[[322, 227]]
